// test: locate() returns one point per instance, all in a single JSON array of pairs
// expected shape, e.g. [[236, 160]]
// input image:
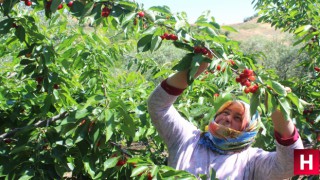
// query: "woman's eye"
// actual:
[[238, 119], [225, 112]]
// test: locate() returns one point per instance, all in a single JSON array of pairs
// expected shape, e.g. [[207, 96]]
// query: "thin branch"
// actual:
[[124, 151], [38, 124]]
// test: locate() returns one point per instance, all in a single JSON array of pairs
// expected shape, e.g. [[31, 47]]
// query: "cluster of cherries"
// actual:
[[201, 50], [169, 37], [245, 79]]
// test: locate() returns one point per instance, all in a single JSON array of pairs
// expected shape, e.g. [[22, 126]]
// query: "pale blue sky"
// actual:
[[224, 11]]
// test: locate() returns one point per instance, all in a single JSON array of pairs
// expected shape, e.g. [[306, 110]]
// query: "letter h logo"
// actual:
[[306, 162]]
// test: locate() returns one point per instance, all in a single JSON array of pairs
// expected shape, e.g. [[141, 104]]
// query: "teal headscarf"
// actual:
[[224, 140]]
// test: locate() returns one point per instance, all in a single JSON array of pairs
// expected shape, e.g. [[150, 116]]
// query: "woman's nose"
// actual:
[[228, 119]]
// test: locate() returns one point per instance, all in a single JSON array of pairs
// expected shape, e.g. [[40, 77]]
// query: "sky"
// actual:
[[224, 11]]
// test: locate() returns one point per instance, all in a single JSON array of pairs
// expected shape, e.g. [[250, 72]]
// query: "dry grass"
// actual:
[[251, 29]]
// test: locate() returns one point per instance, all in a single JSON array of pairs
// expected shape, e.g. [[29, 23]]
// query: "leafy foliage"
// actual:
[[71, 108]]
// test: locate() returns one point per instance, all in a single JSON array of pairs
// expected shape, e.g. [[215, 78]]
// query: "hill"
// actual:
[[253, 29]]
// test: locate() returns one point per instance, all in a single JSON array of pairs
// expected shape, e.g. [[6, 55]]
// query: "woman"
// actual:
[[226, 147]]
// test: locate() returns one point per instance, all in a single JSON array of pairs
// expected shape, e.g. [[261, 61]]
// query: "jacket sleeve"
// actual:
[[171, 126], [275, 165]]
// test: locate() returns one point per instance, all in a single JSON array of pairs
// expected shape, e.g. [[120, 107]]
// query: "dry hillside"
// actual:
[[252, 28]]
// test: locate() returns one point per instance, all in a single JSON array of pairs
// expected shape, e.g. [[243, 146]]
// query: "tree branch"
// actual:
[[38, 124]]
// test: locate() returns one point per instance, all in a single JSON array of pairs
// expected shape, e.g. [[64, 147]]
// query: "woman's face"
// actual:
[[232, 116]]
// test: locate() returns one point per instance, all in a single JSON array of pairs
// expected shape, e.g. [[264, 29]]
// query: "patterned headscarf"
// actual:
[[224, 140]]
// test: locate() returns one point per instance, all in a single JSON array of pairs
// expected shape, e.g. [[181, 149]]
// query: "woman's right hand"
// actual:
[[179, 79]]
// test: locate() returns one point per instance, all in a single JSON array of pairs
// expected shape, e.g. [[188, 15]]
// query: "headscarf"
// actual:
[[224, 140]]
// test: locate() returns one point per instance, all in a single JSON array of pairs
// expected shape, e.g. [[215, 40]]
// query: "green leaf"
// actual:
[[150, 30], [144, 44], [223, 98], [110, 163], [26, 177], [184, 63], [278, 88], [254, 103], [29, 69], [229, 28], [302, 28], [316, 94], [88, 167], [285, 107], [6, 25], [81, 113], [109, 118], [128, 17], [182, 45], [77, 8], [128, 4], [155, 43], [195, 64], [20, 33], [140, 169], [206, 24], [67, 42], [26, 61], [20, 149], [295, 100], [129, 127], [154, 171], [274, 103], [54, 5], [162, 9], [86, 10]]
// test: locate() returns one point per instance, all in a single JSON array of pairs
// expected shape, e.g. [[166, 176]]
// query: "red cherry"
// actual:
[[70, 3], [173, 37], [141, 14], [28, 3], [247, 90], [60, 6], [204, 51], [105, 12], [121, 162], [247, 83], [14, 25], [216, 95], [218, 67], [231, 62], [252, 78], [39, 79], [56, 86], [247, 72], [149, 177], [197, 49], [317, 69], [166, 36], [8, 141], [254, 88]]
